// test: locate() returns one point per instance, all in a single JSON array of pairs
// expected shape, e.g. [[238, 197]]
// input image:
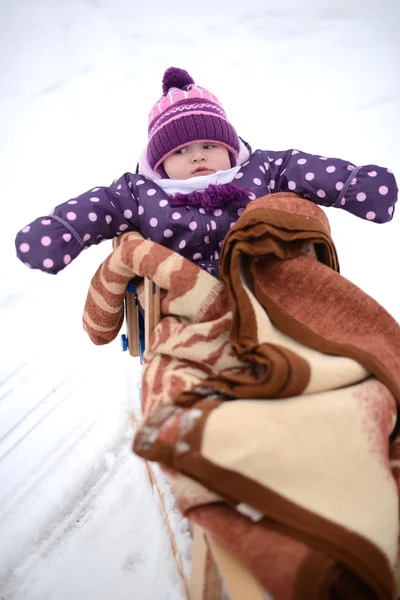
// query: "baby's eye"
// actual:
[[208, 146], [180, 151]]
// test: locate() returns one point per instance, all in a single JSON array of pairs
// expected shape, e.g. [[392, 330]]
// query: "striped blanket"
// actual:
[[270, 399]]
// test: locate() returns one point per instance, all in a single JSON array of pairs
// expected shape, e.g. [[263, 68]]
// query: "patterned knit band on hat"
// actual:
[[186, 113]]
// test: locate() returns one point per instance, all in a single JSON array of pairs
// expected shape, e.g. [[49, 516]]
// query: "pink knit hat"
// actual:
[[184, 114]]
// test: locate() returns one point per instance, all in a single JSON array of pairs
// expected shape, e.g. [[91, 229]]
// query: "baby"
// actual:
[[193, 181]]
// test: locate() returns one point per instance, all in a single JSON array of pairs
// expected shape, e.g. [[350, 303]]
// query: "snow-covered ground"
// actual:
[[77, 79]]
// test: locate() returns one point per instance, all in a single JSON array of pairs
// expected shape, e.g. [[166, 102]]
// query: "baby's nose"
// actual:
[[197, 156]]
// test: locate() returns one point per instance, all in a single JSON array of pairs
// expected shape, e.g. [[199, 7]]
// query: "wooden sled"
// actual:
[[216, 573]]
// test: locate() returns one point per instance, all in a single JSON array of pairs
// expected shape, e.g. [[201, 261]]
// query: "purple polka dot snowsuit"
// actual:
[[135, 203]]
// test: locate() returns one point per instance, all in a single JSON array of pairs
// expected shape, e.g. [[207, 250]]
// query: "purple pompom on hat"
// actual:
[[184, 114], [175, 78]]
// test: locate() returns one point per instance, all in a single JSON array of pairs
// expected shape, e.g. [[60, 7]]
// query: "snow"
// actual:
[[78, 517]]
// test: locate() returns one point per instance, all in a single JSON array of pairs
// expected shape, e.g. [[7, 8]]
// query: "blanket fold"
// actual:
[[270, 398]]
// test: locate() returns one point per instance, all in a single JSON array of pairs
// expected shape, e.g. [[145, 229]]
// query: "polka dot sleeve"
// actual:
[[50, 243], [369, 192]]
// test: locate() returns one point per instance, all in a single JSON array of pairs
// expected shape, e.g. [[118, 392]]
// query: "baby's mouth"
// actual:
[[203, 171]]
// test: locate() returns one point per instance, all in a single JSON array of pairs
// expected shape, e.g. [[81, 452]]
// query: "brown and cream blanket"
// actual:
[[270, 398]]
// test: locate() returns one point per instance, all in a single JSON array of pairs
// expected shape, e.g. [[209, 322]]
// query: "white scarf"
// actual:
[[185, 186]]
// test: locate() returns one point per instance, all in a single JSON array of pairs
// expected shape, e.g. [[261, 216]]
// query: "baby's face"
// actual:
[[197, 159]]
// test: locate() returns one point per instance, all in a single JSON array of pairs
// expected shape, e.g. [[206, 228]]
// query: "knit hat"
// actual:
[[184, 114]]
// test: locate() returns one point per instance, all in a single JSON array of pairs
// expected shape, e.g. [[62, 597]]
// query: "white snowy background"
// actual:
[[77, 79]]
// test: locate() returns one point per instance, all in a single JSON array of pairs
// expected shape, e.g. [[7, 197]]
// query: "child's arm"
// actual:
[[369, 192], [51, 242]]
